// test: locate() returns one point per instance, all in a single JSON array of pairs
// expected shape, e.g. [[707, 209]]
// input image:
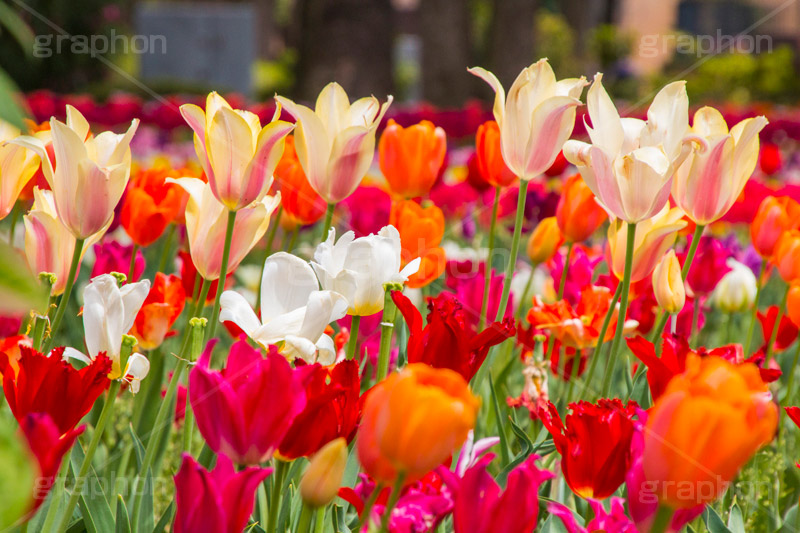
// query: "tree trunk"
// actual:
[[511, 45], [446, 51], [347, 41]]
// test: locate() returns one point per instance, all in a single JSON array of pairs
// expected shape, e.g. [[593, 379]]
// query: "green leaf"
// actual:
[[19, 474], [123, 522], [713, 521], [641, 391], [735, 520], [20, 291], [17, 27], [791, 522], [501, 431], [137, 446], [146, 512], [527, 449], [166, 518], [96, 512]]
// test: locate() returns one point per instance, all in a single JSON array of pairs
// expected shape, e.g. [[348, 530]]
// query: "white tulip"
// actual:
[[736, 291], [359, 268], [294, 312]]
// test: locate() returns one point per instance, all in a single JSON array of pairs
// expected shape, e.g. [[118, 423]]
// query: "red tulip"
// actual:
[[246, 409], [332, 410], [787, 331], [51, 385], [594, 445], [219, 501], [449, 340], [481, 507]]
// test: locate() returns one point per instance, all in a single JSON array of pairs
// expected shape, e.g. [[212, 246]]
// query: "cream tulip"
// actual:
[[49, 245], [90, 174], [668, 286], [737, 289], [206, 224], [335, 141], [536, 117], [630, 162], [17, 166], [237, 154], [707, 184], [294, 312], [359, 268]]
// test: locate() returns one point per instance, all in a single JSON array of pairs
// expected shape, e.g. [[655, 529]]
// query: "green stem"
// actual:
[[304, 523], [105, 415], [775, 327], [488, 268], [188, 418], [14, 218], [522, 300], [754, 312], [694, 329], [293, 239], [64, 302], [319, 520], [166, 248], [512, 260], [328, 219], [55, 497], [132, 267], [352, 343], [623, 310], [223, 273], [788, 399], [281, 468], [393, 497], [387, 329], [601, 339], [662, 520], [367, 511]]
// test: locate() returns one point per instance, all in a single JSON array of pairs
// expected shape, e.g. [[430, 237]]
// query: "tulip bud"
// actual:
[[544, 241], [668, 283], [322, 478], [736, 291]]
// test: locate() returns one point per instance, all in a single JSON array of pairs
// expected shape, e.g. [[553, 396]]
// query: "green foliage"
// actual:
[[555, 40], [19, 474]]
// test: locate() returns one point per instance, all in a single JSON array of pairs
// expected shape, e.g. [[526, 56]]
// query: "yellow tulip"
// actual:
[[17, 166], [668, 285], [322, 478]]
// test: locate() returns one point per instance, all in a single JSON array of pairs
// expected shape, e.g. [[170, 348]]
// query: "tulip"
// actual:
[[653, 237], [238, 155], [90, 172], [448, 340], [594, 445], [668, 286], [244, 410], [710, 264], [192, 282], [412, 421], [294, 313], [335, 141], [332, 410], [220, 500], [151, 204], [49, 245], [111, 256], [301, 204], [17, 167], [630, 163], [577, 213], [322, 478], [793, 303], [39, 383], [488, 150], [770, 160], [108, 313], [481, 507], [468, 287], [421, 230], [774, 216], [410, 158], [787, 255], [603, 521], [536, 118], [206, 224], [160, 310], [545, 240], [713, 175], [12, 347], [359, 268], [736, 291], [708, 423], [784, 328]]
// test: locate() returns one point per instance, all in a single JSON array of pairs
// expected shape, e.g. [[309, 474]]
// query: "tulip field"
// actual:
[[550, 312]]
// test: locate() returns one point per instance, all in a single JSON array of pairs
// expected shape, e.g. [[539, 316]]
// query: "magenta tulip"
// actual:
[[246, 409]]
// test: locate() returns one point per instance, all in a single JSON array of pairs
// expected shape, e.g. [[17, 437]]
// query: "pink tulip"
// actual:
[[481, 507], [615, 521], [114, 257], [219, 501], [246, 409]]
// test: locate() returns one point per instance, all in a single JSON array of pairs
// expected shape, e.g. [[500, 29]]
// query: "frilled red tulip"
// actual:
[[578, 214], [787, 330], [52, 385], [332, 410], [774, 216], [219, 501], [160, 310], [448, 340], [301, 203], [48, 445], [246, 409], [489, 157], [594, 445], [151, 204], [482, 507]]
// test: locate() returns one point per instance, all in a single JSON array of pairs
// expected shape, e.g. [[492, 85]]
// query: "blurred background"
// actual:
[[736, 51]]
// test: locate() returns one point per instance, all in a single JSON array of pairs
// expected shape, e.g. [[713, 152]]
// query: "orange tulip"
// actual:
[[787, 255], [413, 420], [421, 230], [544, 241], [301, 203], [774, 216], [160, 310], [709, 422], [793, 303], [410, 158], [151, 204], [489, 156], [578, 214]]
